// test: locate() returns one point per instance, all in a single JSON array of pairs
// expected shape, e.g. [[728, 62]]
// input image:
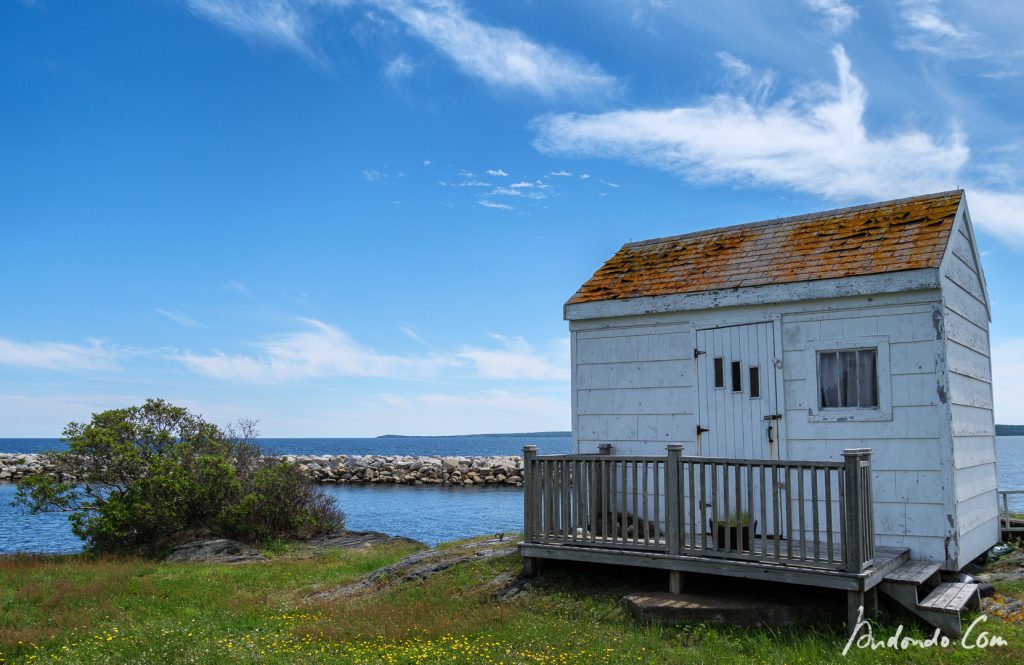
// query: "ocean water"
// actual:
[[412, 445], [427, 513]]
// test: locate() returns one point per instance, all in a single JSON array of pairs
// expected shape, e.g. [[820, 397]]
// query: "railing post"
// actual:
[[602, 519], [673, 506], [529, 492], [672, 498], [859, 548]]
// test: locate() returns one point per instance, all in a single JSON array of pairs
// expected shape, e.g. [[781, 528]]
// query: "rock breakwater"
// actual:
[[460, 471]]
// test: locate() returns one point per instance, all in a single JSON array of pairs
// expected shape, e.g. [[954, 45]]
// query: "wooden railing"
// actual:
[[806, 513], [1009, 522]]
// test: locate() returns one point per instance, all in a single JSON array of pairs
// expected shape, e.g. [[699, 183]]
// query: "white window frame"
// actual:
[[882, 412]]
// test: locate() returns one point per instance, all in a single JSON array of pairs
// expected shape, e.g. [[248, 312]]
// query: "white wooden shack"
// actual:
[[796, 339]]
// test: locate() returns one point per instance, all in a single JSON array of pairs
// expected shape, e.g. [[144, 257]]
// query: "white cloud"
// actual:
[[584, 176], [559, 174], [373, 175], [503, 58], [497, 173], [320, 351], [753, 85], [517, 359], [435, 413], [94, 355], [411, 333], [930, 31], [1007, 368], [179, 317], [491, 204], [1001, 213], [987, 32], [240, 288], [398, 69], [517, 185], [286, 22], [817, 143], [837, 14], [518, 192], [814, 142], [427, 162], [323, 351]]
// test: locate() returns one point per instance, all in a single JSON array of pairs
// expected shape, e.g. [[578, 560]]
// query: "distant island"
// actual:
[[1009, 430], [466, 436]]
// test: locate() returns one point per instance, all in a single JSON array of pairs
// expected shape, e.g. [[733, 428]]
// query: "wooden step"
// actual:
[[941, 608], [951, 597], [913, 572]]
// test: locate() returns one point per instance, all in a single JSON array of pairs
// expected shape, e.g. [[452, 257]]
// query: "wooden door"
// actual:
[[737, 392], [738, 416]]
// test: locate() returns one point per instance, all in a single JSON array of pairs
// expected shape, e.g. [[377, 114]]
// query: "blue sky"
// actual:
[[346, 218]]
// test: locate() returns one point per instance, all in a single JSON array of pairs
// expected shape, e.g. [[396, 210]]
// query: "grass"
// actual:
[[109, 610]]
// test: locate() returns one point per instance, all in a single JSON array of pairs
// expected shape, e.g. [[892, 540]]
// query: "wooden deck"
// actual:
[[799, 522], [886, 560]]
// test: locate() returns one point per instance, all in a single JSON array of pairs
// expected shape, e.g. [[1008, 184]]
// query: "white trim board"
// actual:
[[893, 282]]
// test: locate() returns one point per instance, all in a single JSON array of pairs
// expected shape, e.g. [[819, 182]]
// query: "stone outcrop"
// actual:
[[419, 566], [215, 550], [503, 471], [225, 550]]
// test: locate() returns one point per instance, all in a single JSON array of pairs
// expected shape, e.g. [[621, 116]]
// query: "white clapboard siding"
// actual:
[[969, 385], [633, 387]]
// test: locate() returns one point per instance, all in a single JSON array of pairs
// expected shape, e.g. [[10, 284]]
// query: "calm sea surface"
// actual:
[[426, 513], [412, 445], [429, 514]]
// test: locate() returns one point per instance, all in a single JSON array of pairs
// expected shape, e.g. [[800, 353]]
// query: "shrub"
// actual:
[[144, 478]]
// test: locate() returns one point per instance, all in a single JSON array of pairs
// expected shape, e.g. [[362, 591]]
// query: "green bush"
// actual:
[[147, 477]]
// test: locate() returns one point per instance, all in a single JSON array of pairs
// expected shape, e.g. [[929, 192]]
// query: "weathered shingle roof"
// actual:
[[904, 234]]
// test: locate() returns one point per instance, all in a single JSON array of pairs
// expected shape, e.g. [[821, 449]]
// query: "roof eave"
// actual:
[[889, 282]]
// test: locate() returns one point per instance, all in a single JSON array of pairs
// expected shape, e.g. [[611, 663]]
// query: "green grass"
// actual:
[[108, 610]]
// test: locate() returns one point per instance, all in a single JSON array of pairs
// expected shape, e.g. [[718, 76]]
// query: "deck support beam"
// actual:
[[675, 581], [854, 609], [871, 603], [529, 566]]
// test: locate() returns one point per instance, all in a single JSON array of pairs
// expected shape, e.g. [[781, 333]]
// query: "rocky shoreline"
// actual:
[[483, 471]]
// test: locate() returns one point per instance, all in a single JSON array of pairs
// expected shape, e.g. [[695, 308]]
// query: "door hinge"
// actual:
[[774, 416], [698, 352], [701, 430]]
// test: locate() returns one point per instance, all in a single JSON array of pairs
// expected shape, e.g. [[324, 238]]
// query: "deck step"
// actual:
[[913, 572], [941, 608], [951, 597]]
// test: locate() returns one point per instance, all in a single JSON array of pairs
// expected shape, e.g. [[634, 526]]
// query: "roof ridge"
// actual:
[[793, 218]]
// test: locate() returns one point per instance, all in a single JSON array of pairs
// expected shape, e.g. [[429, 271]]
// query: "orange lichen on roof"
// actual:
[[906, 234]]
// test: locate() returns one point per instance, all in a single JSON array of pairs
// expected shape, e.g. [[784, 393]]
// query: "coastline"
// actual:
[[451, 471]]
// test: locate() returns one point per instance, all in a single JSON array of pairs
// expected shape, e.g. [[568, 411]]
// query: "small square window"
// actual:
[[848, 379]]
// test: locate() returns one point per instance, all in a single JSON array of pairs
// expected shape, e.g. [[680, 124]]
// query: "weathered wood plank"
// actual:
[[914, 572], [968, 362], [966, 332]]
